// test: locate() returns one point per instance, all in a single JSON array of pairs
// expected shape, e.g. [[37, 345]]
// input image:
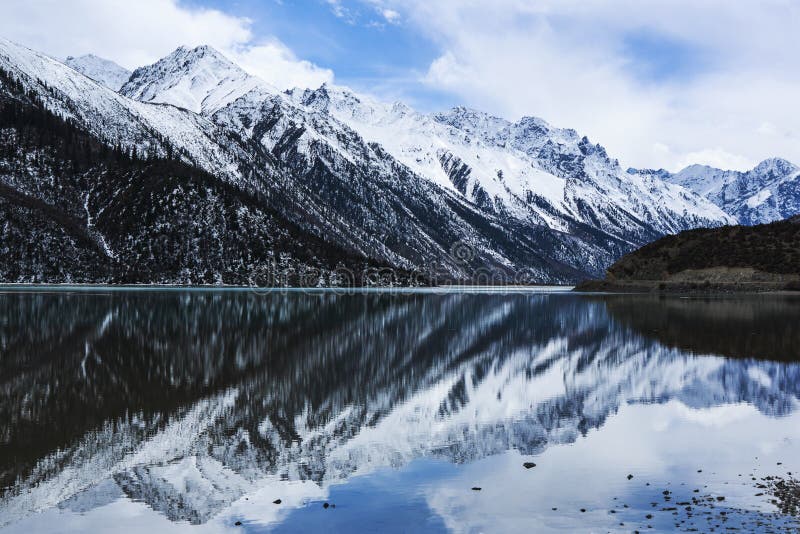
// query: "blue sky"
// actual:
[[658, 58], [354, 40], [661, 83], [390, 58], [362, 45]]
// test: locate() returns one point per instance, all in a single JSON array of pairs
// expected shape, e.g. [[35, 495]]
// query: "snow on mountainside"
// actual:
[[113, 117], [767, 193], [198, 79], [100, 70], [516, 170], [382, 180], [329, 157], [316, 173], [528, 169]]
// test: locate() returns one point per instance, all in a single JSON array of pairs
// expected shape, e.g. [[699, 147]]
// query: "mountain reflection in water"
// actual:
[[189, 401]]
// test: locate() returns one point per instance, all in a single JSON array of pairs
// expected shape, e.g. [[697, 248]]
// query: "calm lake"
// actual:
[[236, 411]]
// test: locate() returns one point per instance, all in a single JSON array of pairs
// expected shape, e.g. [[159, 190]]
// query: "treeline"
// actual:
[[37, 133], [770, 248], [165, 219]]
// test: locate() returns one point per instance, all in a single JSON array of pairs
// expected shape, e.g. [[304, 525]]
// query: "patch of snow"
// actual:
[[100, 70], [759, 198]]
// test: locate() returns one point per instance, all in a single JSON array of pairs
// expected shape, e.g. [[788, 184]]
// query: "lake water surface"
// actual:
[[235, 411]]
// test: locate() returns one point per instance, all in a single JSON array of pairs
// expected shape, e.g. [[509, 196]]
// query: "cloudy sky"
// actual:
[[660, 83]]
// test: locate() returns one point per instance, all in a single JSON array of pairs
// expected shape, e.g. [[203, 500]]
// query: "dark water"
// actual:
[[192, 411]]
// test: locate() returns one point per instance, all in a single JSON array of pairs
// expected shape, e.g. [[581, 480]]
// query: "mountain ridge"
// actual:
[[310, 182], [523, 202], [768, 192], [528, 169], [199, 79], [100, 69]]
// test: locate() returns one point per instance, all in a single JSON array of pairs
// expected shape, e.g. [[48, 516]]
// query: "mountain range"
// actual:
[[227, 178], [770, 192]]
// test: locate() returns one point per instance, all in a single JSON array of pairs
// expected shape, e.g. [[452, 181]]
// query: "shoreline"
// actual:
[[34, 287], [665, 287]]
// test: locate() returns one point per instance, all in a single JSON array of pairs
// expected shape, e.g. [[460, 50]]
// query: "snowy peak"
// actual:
[[316, 99], [708, 179], [199, 79], [698, 168], [767, 193], [472, 121], [109, 115], [343, 104], [528, 170], [774, 168], [100, 70], [702, 179], [530, 134]]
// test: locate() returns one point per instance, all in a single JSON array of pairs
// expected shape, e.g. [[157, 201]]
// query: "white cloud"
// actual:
[[138, 33], [391, 16], [275, 62], [340, 11], [572, 63], [716, 157], [566, 61]]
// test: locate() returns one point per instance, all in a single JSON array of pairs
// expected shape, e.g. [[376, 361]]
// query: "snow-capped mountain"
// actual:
[[100, 70], [380, 181], [357, 205], [503, 169], [513, 169], [198, 79], [528, 170], [767, 193], [114, 118]]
